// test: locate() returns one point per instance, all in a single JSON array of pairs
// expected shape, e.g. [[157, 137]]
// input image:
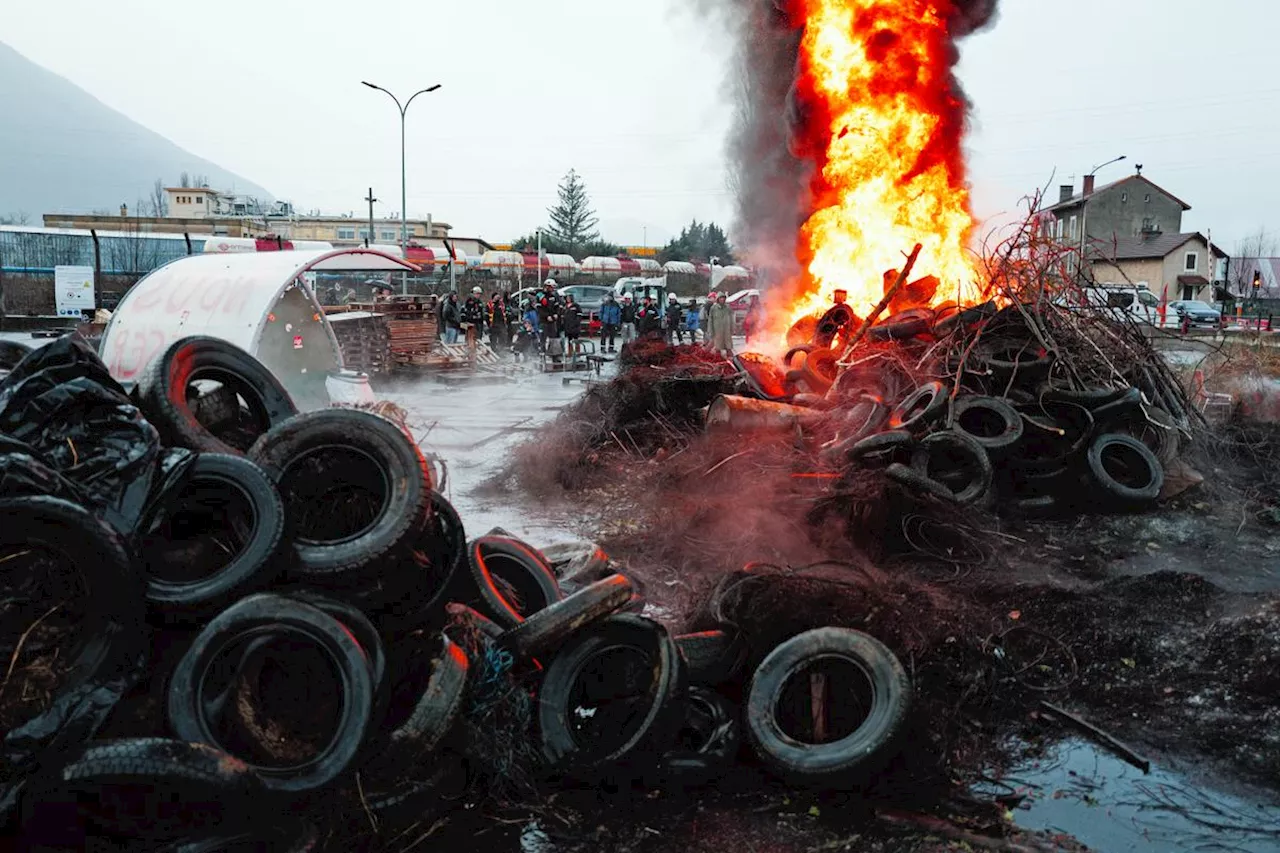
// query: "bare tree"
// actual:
[[200, 181], [157, 204], [1260, 244], [20, 217], [184, 180]]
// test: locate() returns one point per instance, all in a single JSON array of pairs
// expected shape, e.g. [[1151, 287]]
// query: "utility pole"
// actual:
[[369, 198], [539, 259]]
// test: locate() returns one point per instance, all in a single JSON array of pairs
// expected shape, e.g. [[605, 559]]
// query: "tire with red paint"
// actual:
[[166, 393], [509, 580]]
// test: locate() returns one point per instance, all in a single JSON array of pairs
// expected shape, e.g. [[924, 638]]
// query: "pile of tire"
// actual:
[[322, 632], [970, 408]]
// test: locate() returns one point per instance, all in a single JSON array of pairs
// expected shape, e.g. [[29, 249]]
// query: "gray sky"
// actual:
[[631, 94]]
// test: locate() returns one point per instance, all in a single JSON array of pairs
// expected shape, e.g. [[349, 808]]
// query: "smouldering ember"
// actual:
[[881, 115]]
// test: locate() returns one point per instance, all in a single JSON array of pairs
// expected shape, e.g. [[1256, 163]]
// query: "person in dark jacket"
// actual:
[[674, 321], [571, 319], [526, 340], [648, 319], [610, 322], [451, 318], [628, 316], [473, 315], [549, 311], [499, 324]]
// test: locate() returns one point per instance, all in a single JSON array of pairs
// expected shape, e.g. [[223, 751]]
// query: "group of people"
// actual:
[[547, 322]]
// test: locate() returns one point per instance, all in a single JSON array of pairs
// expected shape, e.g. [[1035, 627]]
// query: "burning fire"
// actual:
[[883, 118]]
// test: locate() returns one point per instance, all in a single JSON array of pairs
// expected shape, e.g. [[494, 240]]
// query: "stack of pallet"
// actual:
[[365, 340]]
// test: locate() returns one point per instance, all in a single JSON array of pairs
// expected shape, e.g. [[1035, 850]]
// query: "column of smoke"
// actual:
[[748, 506], [775, 146]]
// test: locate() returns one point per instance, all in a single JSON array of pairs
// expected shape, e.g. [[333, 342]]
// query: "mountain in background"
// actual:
[[63, 150]]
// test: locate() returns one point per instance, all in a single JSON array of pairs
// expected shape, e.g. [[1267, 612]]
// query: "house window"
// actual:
[[1191, 262], [388, 235], [1059, 229], [364, 233], [1124, 197], [1147, 198], [346, 233], [1073, 228], [199, 199]]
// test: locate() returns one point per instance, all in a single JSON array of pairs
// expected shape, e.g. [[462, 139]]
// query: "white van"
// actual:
[[638, 288], [1125, 300]]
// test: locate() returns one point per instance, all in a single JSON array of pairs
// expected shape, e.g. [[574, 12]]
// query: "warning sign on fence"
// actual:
[[73, 290]]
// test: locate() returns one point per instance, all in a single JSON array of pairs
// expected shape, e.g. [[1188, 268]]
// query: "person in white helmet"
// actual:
[[673, 320], [473, 315]]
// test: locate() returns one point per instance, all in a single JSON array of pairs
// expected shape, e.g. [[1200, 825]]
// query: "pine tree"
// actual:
[[573, 222]]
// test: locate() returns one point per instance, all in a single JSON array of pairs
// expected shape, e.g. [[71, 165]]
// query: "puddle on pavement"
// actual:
[[1112, 806]]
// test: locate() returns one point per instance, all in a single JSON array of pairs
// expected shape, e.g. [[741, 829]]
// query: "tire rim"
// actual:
[[320, 498]]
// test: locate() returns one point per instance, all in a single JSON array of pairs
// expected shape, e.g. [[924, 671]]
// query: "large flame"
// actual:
[[879, 111]]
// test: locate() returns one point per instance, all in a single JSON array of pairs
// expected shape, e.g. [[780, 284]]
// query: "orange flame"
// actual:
[[884, 119]]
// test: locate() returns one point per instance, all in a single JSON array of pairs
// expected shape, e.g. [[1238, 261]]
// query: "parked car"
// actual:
[[1120, 301], [1199, 313]]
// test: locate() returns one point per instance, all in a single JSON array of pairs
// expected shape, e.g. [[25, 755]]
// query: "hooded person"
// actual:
[[648, 318], [704, 314], [610, 322], [451, 318], [549, 310], [720, 326], [571, 319]]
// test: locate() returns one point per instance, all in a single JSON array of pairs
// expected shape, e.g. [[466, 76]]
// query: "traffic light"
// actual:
[[1257, 282]]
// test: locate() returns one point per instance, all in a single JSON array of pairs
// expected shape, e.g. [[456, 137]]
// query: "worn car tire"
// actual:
[[261, 616], [1155, 428], [549, 627], [411, 742], [1012, 360], [163, 391], [103, 650], [920, 408], [12, 352], [881, 448], [498, 561], [708, 740], [990, 421], [955, 461], [145, 788], [382, 470], [1054, 436], [252, 567], [862, 750], [1126, 470], [366, 635], [820, 369], [663, 698], [714, 657], [903, 325]]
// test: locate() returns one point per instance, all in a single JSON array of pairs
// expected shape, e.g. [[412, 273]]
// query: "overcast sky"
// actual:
[[631, 95]]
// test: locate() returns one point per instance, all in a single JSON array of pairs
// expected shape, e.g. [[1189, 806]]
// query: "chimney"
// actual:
[[124, 211], [1065, 191], [1088, 185]]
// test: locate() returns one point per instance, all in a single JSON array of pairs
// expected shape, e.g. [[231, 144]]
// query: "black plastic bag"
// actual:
[[62, 402], [22, 474]]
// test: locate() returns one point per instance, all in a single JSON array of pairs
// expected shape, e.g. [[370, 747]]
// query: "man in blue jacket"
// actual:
[[610, 322]]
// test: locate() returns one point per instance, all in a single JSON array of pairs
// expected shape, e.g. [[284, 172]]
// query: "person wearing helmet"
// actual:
[[627, 316], [549, 311], [473, 315], [673, 320]]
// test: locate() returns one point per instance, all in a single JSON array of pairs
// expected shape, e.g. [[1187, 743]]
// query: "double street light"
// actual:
[[404, 210]]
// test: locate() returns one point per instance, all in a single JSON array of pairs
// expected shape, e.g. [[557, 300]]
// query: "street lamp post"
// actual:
[[1084, 209], [404, 203]]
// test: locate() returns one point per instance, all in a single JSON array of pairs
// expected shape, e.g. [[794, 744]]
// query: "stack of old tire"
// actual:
[[1023, 430], [297, 622]]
